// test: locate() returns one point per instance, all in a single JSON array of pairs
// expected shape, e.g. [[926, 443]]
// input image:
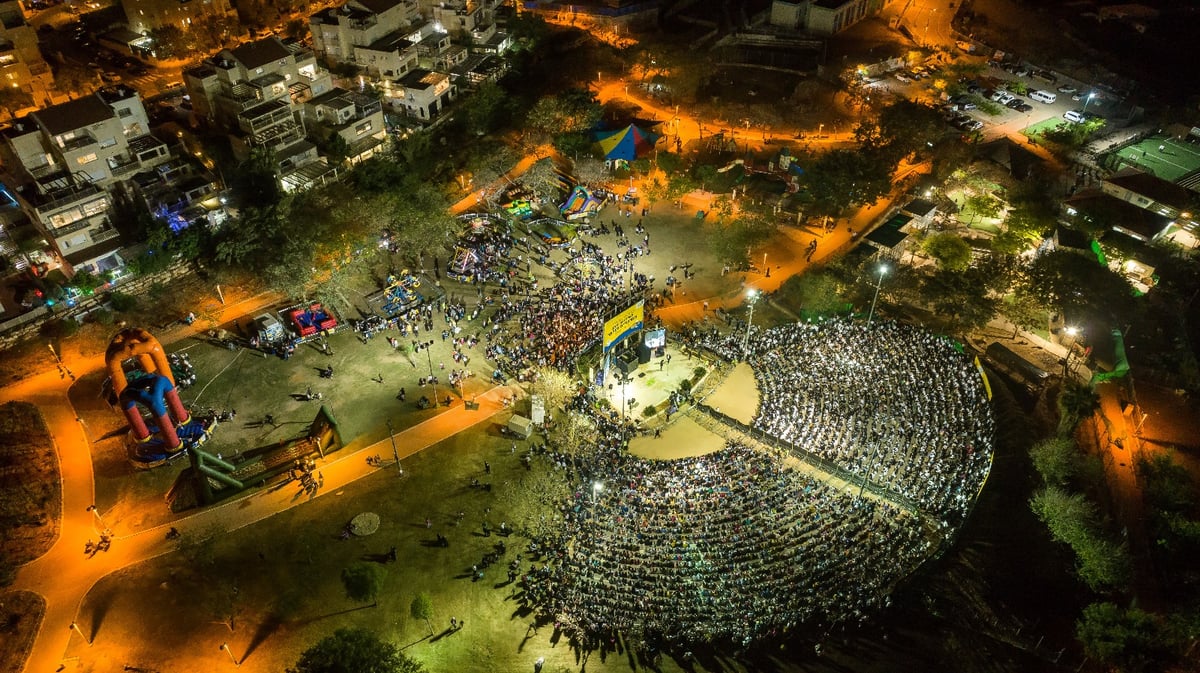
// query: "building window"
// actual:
[[124, 112], [86, 159]]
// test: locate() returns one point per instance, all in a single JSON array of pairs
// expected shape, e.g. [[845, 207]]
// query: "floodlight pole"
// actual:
[[395, 453], [871, 314], [753, 299], [429, 357]]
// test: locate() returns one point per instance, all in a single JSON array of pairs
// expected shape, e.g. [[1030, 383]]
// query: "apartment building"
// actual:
[[21, 63], [64, 163], [462, 17], [422, 94], [255, 92], [144, 16], [389, 57], [356, 118], [823, 17], [182, 193], [338, 32]]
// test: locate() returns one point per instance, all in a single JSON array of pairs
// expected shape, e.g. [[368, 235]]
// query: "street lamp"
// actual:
[[597, 486], [820, 129], [395, 453], [96, 512], [1088, 99], [752, 297], [76, 629], [429, 357], [883, 269], [225, 646], [1072, 332]]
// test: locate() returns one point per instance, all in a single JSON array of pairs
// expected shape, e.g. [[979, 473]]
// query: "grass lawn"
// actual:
[[168, 613]]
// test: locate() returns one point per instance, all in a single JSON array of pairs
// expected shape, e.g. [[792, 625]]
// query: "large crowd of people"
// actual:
[[736, 545], [889, 402], [732, 546]]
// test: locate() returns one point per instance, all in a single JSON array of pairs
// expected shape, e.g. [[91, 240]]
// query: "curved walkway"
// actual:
[[64, 575]]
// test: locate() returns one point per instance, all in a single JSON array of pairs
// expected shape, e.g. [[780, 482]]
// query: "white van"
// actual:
[[1043, 97], [1075, 116]]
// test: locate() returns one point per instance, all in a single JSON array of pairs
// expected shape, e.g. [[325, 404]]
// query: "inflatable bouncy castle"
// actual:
[[150, 386]]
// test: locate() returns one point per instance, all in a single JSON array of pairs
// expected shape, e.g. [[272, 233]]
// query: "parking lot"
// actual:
[[1002, 100]]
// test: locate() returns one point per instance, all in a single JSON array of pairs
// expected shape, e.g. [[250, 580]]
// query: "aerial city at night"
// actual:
[[455, 336]]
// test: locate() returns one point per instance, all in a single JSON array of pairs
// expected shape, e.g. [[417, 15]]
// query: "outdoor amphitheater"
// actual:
[[825, 463]]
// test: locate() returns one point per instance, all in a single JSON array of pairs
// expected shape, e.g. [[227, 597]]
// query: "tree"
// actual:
[[983, 205], [74, 80], [1080, 286], [589, 170], [841, 178], [1129, 639], [489, 160], [908, 126], [571, 111], [950, 250], [704, 175], [355, 650], [556, 388], [422, 608], [1074, 521], [962, 296], [255, 183], [1075, 403], [818, 291], [1056, 459], [363, 581], [13, 100], [486, 109]]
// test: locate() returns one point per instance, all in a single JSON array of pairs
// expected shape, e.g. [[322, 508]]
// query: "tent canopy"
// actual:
[[627, 143]]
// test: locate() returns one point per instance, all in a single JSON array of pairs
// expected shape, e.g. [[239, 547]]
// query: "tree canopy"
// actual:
[[841, 178], [354, 651], [1080, 286], [570, 111], [363, 581], [1072, 519], [950, 251]]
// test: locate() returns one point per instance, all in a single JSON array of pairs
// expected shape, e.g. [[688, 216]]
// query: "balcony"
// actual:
[[78, 143], [105, 235], [79, 225], [77, 195]]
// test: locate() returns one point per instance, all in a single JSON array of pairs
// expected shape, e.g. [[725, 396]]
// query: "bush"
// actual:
[[59, 329], [122, 302], [102, 316], [685, 386], [649, 411], [698, 373]]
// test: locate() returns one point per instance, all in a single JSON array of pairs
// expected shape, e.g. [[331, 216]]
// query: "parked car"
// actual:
[[1067, 88], [971, 125], [1023, 107], [901, 77], [1014, 103]]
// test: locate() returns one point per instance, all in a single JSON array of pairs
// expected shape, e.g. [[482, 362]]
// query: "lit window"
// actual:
[[86, 159]]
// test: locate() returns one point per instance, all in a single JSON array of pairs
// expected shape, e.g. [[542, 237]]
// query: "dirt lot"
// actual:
[[30, 489]]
